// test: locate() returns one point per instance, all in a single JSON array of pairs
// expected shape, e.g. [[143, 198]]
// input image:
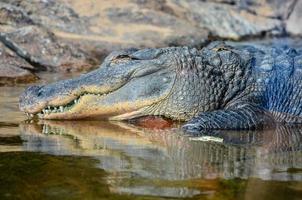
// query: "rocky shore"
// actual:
[[74, 35]]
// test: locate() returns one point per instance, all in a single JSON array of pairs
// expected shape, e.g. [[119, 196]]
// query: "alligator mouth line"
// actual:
[[62, 108]]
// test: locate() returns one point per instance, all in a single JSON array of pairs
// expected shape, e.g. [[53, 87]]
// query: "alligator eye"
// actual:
[[223, 48], [122, 59], [127, 57]]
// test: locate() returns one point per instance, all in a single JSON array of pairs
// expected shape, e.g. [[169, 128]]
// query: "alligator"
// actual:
[[220, 86]]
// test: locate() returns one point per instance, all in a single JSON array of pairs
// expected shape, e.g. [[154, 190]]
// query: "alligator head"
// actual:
[[175, 82]]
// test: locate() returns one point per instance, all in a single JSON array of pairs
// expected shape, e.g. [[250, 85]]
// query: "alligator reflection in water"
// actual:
[[134, 152]]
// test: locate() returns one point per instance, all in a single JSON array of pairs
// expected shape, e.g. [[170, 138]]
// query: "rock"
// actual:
[[43, 50], [133, 23], [157, 5], [51, 14], [24, 28], [142, 23], [13, 16], [294, 22], [65, 35], [226, 20], [276, 9], [152, 28], [13, 69]]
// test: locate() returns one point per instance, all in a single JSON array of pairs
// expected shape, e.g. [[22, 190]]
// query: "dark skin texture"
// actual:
[[217, 87]]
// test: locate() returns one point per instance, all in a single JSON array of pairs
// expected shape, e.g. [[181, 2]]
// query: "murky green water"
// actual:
[[105, 160]]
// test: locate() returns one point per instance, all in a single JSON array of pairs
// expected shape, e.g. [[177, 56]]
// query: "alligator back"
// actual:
[[283, 98], [277, 71]]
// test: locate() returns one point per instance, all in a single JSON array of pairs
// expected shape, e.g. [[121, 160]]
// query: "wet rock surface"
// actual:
[[13, 16], [13, 69], [51, 13], [74, 35], [229, 21], [44, 51], [294, 21]]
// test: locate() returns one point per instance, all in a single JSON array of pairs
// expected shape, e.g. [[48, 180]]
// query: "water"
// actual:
[[106, 160]]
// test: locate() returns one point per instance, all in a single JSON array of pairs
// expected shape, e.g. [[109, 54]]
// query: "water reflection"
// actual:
[[144, 161]]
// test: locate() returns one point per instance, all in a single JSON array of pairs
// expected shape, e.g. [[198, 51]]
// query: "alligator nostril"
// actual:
[[33, 91], [29, 97], [39, 93]]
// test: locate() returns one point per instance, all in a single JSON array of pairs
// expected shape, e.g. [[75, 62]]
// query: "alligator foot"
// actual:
[[239, 117]]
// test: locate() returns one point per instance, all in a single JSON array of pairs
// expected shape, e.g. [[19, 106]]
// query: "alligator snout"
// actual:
[[43, 99], [29, 101]]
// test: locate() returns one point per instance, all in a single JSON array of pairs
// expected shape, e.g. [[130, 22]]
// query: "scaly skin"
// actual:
[[217, 87]]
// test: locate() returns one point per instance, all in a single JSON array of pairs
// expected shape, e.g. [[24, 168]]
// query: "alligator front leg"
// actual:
[[244, 116]]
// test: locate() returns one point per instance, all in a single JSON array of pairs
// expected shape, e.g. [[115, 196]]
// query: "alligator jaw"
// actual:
[[53, 111], [60, 111], [127, 102]]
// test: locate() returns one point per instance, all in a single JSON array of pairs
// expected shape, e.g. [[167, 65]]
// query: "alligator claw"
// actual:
[[192, 129]]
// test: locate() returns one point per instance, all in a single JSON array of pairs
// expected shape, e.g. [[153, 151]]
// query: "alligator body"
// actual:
[[217, 87]]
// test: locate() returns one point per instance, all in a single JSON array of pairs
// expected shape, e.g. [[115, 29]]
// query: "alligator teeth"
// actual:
[[53, 109], [45, 129]]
